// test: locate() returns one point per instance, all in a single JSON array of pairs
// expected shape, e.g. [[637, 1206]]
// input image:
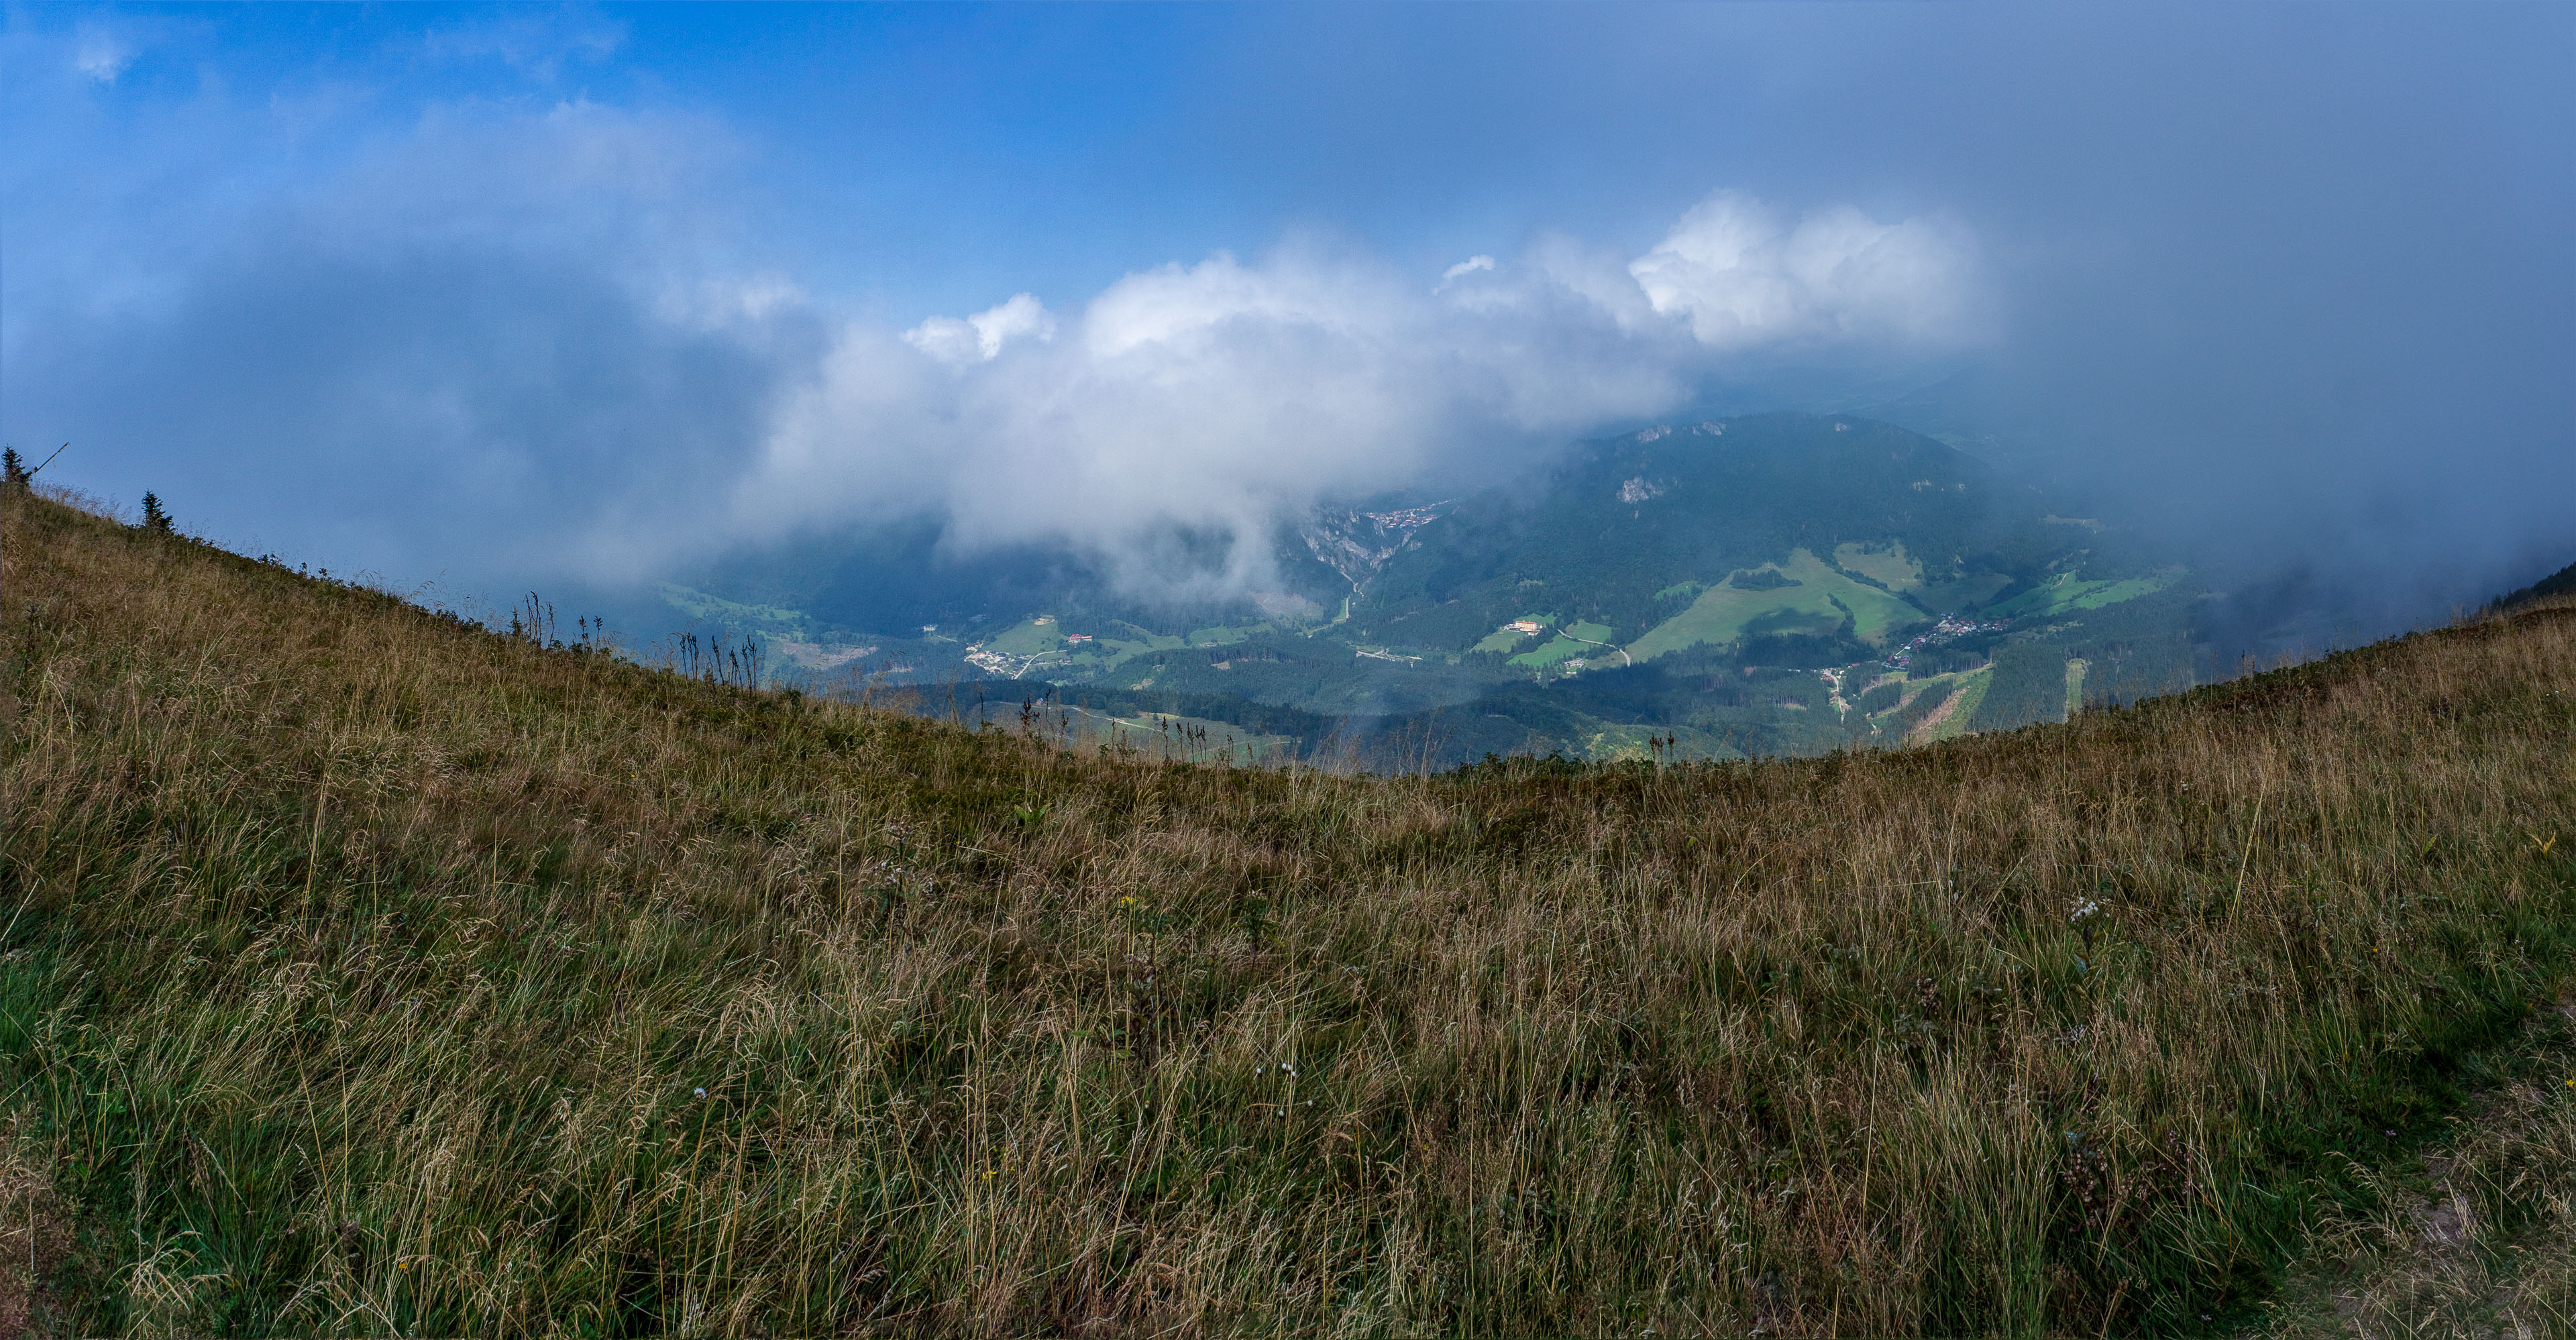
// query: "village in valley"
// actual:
[[1950, 626]]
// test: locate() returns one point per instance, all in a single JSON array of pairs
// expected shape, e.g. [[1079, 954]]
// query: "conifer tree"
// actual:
[[153, 517]]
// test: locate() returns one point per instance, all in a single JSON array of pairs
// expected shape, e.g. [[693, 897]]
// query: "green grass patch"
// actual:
[[1822, 597], [2066, 592], [1226, 635], [1888, 564], [1556, 651], [1027, 638]]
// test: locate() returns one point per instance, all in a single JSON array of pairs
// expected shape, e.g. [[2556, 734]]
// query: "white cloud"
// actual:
[[534, 326], [719, 304], [1742, 279], [101, 55], [1211, 397], [979, 338]]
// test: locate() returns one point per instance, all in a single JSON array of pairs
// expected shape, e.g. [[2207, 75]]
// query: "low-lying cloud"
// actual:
[[2289, 291], [531, 343], [1214, 396], [1743, 278]]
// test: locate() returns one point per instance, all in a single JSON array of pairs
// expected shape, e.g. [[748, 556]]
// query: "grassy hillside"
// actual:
[[1814, 598], [369, 973], [2559, 583]]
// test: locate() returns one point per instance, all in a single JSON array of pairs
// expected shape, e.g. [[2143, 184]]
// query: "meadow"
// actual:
[[366, 972], [1817, 598]]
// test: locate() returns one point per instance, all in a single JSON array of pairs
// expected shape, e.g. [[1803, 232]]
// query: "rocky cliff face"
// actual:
[[1358, 544]]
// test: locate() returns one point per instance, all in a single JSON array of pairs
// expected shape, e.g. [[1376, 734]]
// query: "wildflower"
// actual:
[[699, 1092]]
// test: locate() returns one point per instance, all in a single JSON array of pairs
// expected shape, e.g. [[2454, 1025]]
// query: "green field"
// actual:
[[1557, 650], [1027, 638], [1576, 640], [2066, 593], [1505, 638], [1889, 567], [1721, 613], [1104, 653], [1114, 650]]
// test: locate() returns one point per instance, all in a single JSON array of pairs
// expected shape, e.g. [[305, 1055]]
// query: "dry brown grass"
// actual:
[[370, 966]]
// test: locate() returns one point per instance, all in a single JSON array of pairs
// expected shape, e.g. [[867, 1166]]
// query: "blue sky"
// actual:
[[528, 293]]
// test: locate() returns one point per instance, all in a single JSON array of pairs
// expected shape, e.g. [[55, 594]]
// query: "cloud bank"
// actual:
[[526, 296], [1214, 396], [1743, 279], [531, 343]]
